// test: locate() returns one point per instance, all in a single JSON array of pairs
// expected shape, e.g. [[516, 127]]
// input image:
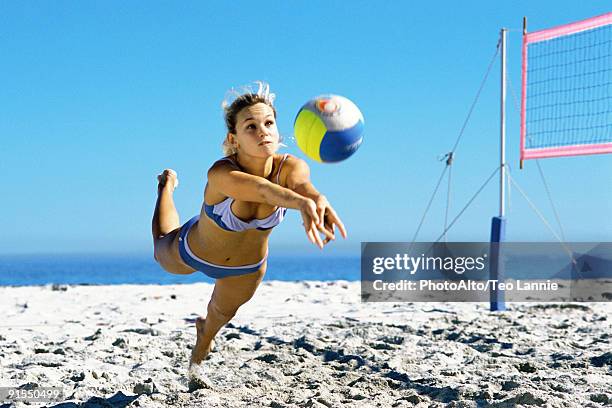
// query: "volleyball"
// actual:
[[329, 128]]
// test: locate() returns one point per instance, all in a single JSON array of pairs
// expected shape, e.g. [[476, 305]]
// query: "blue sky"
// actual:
[[98, 97]]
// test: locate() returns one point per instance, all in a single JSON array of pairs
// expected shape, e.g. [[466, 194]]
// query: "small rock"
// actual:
[[57, 287], [527, 368], [561, 356], [453, 336], [413, 399], [268, 358], [381, 346], [146, 387], [600, 361], [147, 330], [600, 398], [397, 340], [28, 386], [352, 383], [60, 351], [510, 385], [94, 336], [120, 342], [172, 296], [352, 360], [78, 377]]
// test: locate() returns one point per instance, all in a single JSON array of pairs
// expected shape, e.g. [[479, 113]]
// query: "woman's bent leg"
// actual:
[[165, 217], [228, 295], [166, 226]]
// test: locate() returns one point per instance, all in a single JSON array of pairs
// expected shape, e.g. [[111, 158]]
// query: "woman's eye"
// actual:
[[251, 126], [269, 123]]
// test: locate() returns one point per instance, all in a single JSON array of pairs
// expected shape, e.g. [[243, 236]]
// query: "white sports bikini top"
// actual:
[[221, 213]]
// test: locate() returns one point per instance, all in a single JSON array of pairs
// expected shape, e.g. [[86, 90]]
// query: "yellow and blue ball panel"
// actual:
[[324, 145]]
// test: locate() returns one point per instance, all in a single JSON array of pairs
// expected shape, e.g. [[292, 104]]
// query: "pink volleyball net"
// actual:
[[566, 106]]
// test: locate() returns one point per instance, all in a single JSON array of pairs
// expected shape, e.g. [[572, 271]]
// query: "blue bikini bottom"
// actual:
[[210, 269]]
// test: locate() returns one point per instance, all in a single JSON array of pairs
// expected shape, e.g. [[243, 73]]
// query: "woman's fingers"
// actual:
[[325, 231], [319, 242], [314, 215], [311, 233], [336, 220], [321, 219], [321, 214]]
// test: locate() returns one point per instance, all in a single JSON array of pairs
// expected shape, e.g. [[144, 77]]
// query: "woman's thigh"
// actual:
[[167, 253], [232, 292]]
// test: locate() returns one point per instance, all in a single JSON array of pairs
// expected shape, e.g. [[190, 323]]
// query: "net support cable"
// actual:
[[449, 157]]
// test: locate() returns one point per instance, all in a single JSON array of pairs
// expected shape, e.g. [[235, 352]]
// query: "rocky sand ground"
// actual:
[[302, 344]]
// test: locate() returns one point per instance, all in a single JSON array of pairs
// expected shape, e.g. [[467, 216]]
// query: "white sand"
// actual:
[[306, 344]]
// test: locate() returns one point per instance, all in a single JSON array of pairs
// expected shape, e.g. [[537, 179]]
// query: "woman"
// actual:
[[247, 194]]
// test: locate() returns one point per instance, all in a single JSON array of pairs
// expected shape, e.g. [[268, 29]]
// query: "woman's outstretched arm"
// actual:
[[298, 180], [246, 187], [225, 178]]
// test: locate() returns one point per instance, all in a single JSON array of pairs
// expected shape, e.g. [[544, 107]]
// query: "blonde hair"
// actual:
[[238, 99]]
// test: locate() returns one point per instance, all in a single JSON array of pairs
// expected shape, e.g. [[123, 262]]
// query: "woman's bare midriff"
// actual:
[[232, 248], [228, 248]]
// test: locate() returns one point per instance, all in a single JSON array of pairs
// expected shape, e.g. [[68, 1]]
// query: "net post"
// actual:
[[497, 299], [502, 125], [498, 224]]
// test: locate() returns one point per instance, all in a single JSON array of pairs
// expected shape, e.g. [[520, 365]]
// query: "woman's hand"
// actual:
[[313, 224], [328, 219]]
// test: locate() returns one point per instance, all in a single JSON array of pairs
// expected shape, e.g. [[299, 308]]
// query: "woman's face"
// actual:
[[256, 133]]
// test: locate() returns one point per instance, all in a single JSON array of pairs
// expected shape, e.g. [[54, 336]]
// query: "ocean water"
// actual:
[[17, 270]]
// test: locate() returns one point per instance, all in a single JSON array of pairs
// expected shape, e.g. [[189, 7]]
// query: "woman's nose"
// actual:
[[263, 132]]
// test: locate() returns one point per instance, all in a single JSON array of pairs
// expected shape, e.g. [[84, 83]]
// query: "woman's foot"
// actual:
[[200, 350], [197, 372], [168, 179]]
